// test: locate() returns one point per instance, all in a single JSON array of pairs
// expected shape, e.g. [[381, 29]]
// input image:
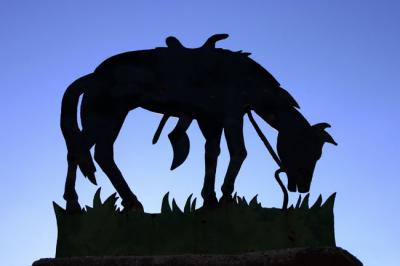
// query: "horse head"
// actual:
[[299, 152]]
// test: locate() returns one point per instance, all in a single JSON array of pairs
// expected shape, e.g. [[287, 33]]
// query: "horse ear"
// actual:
[[173, 42], [210, 43], [325, 136], [321, 126]]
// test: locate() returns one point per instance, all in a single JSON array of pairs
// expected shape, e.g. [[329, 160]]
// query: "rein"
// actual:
[[275, 157]]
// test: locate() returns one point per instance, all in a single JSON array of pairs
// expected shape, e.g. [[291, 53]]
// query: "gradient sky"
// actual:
[[339, 59]]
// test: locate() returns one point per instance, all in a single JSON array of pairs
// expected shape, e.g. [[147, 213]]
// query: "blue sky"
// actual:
[[339, 59]]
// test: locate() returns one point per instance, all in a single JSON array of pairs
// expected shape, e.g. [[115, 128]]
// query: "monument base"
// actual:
[[328, 256]]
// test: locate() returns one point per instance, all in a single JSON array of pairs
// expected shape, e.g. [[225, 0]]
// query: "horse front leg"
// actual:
[[212, 133], [233, 129]]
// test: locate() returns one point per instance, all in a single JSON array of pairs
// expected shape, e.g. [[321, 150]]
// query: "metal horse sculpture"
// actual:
[[216, 87]]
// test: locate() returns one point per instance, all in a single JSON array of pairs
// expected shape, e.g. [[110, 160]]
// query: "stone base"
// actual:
[[329, 256]]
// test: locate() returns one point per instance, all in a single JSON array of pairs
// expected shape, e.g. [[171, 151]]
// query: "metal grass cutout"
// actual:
[[241, 227]]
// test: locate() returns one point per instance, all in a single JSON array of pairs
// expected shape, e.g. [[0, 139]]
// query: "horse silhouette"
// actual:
[[214, 86]]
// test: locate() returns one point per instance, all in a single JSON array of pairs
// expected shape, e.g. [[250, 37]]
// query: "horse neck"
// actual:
[[290, 121]]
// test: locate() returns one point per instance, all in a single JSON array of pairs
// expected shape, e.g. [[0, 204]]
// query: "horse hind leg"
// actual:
[[104, 156], [70, 195]]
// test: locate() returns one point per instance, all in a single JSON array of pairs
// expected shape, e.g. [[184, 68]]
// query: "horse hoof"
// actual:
[[210, 203], [138, 207], [135, 206], [226, 200]]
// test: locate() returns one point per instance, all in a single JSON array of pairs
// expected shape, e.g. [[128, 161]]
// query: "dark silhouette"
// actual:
[[217, 87]]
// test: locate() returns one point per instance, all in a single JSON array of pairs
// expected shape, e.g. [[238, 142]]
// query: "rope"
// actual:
[[265, 140], [284, 190], [275, 157]]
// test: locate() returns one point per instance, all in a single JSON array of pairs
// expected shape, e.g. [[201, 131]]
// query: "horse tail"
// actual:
[[78, 149]]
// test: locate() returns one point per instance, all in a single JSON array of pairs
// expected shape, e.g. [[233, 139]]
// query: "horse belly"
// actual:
[[178, 106]]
